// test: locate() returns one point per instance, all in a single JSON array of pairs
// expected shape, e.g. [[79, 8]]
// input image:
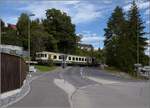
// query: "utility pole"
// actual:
[[29, 33], [0, 30]]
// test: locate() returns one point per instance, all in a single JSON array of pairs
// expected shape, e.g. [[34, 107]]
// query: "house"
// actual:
[[12, 26], [87, 47], [147, 51], [14, 50]]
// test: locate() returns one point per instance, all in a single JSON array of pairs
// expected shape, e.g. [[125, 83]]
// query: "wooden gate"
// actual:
[[13, 72]]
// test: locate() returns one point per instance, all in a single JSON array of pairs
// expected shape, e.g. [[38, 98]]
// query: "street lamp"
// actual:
[[29, 33]]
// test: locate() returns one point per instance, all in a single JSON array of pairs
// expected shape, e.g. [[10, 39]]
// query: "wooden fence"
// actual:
[[13, 72]]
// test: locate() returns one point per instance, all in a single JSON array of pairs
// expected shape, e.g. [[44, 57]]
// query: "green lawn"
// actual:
[[43, 68]]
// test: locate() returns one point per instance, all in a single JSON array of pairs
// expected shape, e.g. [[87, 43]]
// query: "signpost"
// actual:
[[64, 57]]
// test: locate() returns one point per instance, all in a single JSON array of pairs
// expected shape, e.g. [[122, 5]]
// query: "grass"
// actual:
[[43, 68]]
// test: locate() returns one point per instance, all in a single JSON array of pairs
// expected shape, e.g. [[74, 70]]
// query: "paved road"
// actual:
[[125, 93], [89, 94], [44, 94]]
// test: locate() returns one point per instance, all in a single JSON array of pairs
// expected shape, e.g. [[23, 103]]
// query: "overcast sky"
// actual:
[[90, 17]]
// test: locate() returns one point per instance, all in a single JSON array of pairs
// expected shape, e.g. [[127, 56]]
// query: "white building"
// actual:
[[14, 50], [148, 48]]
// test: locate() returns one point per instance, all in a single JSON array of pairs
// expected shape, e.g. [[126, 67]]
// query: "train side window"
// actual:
[[45, 55], [82, 59], [55, 57], [79, 59], [76, 59], [73, 58], [41, 55], [85, 59], [69, 58]]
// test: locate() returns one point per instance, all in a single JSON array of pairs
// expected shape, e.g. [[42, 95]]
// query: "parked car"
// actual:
[[146, 69], [32, 69]]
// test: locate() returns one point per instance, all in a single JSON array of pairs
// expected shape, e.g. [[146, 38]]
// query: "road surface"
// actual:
[[87, 88]]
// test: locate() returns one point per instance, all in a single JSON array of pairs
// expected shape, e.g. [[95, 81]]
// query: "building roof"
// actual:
[[12, 26], [85, 45]]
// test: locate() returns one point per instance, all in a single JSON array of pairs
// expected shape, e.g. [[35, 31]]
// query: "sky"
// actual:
[[89, 16]]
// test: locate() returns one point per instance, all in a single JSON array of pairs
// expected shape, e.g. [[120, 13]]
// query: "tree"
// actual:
[[40, 39], [136, 33], [22, 27], [10, 37], [124, 38], [113, 35], [59, 26], [2, 25]]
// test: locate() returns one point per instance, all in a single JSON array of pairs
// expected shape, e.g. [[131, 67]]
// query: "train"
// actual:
[[59, 58]]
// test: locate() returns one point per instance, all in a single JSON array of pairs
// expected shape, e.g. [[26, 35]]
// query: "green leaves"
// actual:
[[59, 26], [124, 39], [23, 27]]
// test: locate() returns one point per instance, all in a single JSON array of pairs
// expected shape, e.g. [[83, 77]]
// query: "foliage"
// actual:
[[10, 37], [121, 38], [59, 26], [40, 39], [23, 27], [2, 25]]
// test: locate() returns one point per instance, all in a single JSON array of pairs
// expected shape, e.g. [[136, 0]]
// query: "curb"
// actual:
[[18, 96]]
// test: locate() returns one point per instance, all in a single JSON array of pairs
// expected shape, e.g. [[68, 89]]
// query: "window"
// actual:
[[42, 55], [60, 57], [85, 59], [82, 59], [73, 58], [55, 57], [45, 55], [79, 59], [76, 59], [69, 58]]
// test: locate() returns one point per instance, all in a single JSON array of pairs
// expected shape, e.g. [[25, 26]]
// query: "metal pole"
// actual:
[[29, 33], [0, 30], [29, 45], [29, 38], [0, 54], [149, 48], [137, 44]]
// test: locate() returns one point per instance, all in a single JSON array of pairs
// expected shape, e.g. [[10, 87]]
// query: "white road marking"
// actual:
[[103, 81], [67, 87]]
